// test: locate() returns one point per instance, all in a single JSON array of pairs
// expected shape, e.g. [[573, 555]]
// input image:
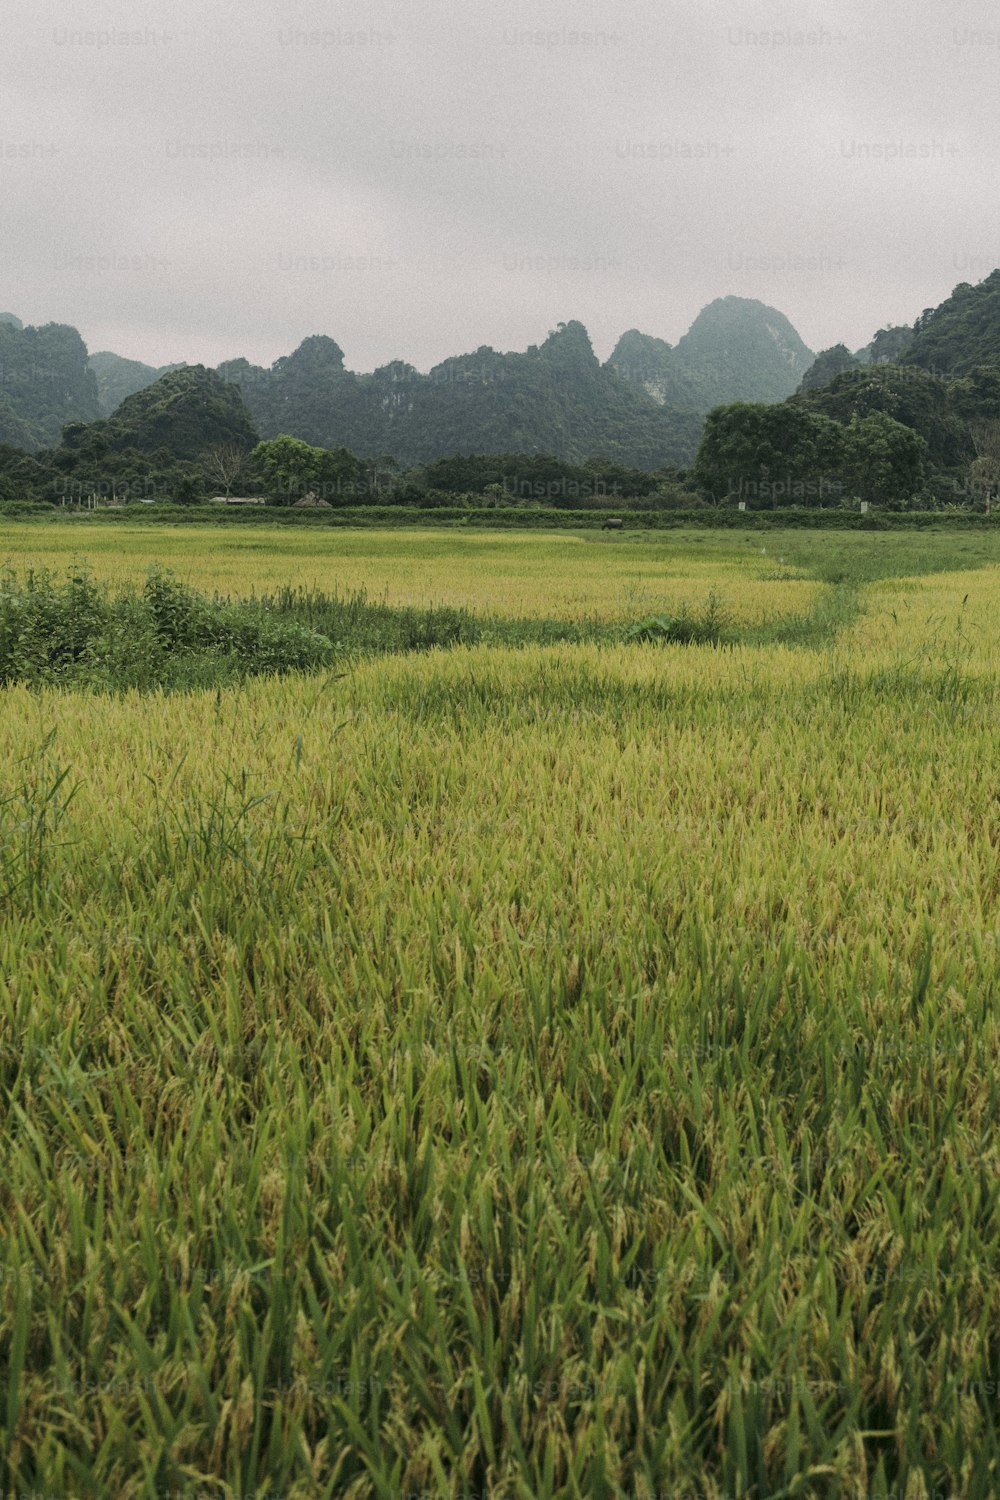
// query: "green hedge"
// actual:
[[543, 518]]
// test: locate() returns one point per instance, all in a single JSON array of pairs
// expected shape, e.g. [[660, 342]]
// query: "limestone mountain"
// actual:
[[118, 378], [961, 334], [44, 383], [737, 349], [552, 398], [182, 414]]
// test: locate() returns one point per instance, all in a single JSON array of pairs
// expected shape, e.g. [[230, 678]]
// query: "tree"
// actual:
[[224, 463], [289, 466], [339, 475], [883, 459], [292, 468], [826, 366], [774, 455], [984, 472]]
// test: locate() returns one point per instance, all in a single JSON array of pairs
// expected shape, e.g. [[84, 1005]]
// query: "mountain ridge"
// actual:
[[643, 407]]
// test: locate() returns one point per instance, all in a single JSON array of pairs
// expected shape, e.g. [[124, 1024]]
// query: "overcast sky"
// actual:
[[196, 179]]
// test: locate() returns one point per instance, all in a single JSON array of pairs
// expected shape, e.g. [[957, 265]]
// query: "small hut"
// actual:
[[311, 502]]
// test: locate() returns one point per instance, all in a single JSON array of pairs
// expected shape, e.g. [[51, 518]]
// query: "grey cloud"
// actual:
[[196, 180]]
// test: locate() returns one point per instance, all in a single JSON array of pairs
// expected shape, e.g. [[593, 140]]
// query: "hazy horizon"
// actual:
[[539, 338], [197, 182]]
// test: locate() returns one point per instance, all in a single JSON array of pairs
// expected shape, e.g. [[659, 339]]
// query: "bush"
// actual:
[[77, 632], [686, 627]]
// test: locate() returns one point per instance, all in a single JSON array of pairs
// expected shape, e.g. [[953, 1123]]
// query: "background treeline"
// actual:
[[189, 438], [890, 425], [890, 434], [896, 436]]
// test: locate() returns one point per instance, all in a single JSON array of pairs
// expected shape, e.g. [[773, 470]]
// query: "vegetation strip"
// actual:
[[561, 1071]]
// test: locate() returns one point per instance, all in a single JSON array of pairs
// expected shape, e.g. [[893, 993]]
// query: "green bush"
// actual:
[[687, 627], [77, 632]]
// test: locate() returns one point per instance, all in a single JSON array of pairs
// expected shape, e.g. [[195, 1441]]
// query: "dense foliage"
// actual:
[[118, 378], [914, 397], [76, 631], [289, 468], [555, 398], [960, 334], [44, 383], [788, 454], [770, 455]]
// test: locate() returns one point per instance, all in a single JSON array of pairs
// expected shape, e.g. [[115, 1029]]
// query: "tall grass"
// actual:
[[564, 1071], [76, 631]]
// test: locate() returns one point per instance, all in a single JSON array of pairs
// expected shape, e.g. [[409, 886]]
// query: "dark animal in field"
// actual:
[[612, 524]]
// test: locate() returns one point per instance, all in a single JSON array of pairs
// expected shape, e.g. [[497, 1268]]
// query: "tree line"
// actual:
[[896, 436]]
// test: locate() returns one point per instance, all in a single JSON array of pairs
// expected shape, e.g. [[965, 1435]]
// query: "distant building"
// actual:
[[237, 500], [311, 502]]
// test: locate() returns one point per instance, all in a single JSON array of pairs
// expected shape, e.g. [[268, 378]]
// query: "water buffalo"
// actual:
[[613, 523]]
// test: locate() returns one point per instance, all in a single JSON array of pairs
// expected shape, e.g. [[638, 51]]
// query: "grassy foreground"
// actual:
[[568, 1070]]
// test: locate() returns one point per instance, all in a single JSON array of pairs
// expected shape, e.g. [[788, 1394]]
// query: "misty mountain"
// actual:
[[184, 412], [644, 408], [553, 398], [737, 349], [118, 378], [828, 364], [44, 383], [964, 332]]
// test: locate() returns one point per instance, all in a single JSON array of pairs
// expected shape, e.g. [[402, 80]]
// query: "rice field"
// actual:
[[556, 1071], [561, 575]]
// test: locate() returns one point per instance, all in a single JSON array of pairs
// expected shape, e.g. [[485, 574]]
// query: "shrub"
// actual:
[[76, 631], [686, 627]]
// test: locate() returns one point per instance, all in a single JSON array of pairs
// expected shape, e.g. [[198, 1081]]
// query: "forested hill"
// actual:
[[643, 411], [961, 334], [184, 413], [953, 340], [644, 408], [44, 383], [553, 398], [118, 378], [737, 349]]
